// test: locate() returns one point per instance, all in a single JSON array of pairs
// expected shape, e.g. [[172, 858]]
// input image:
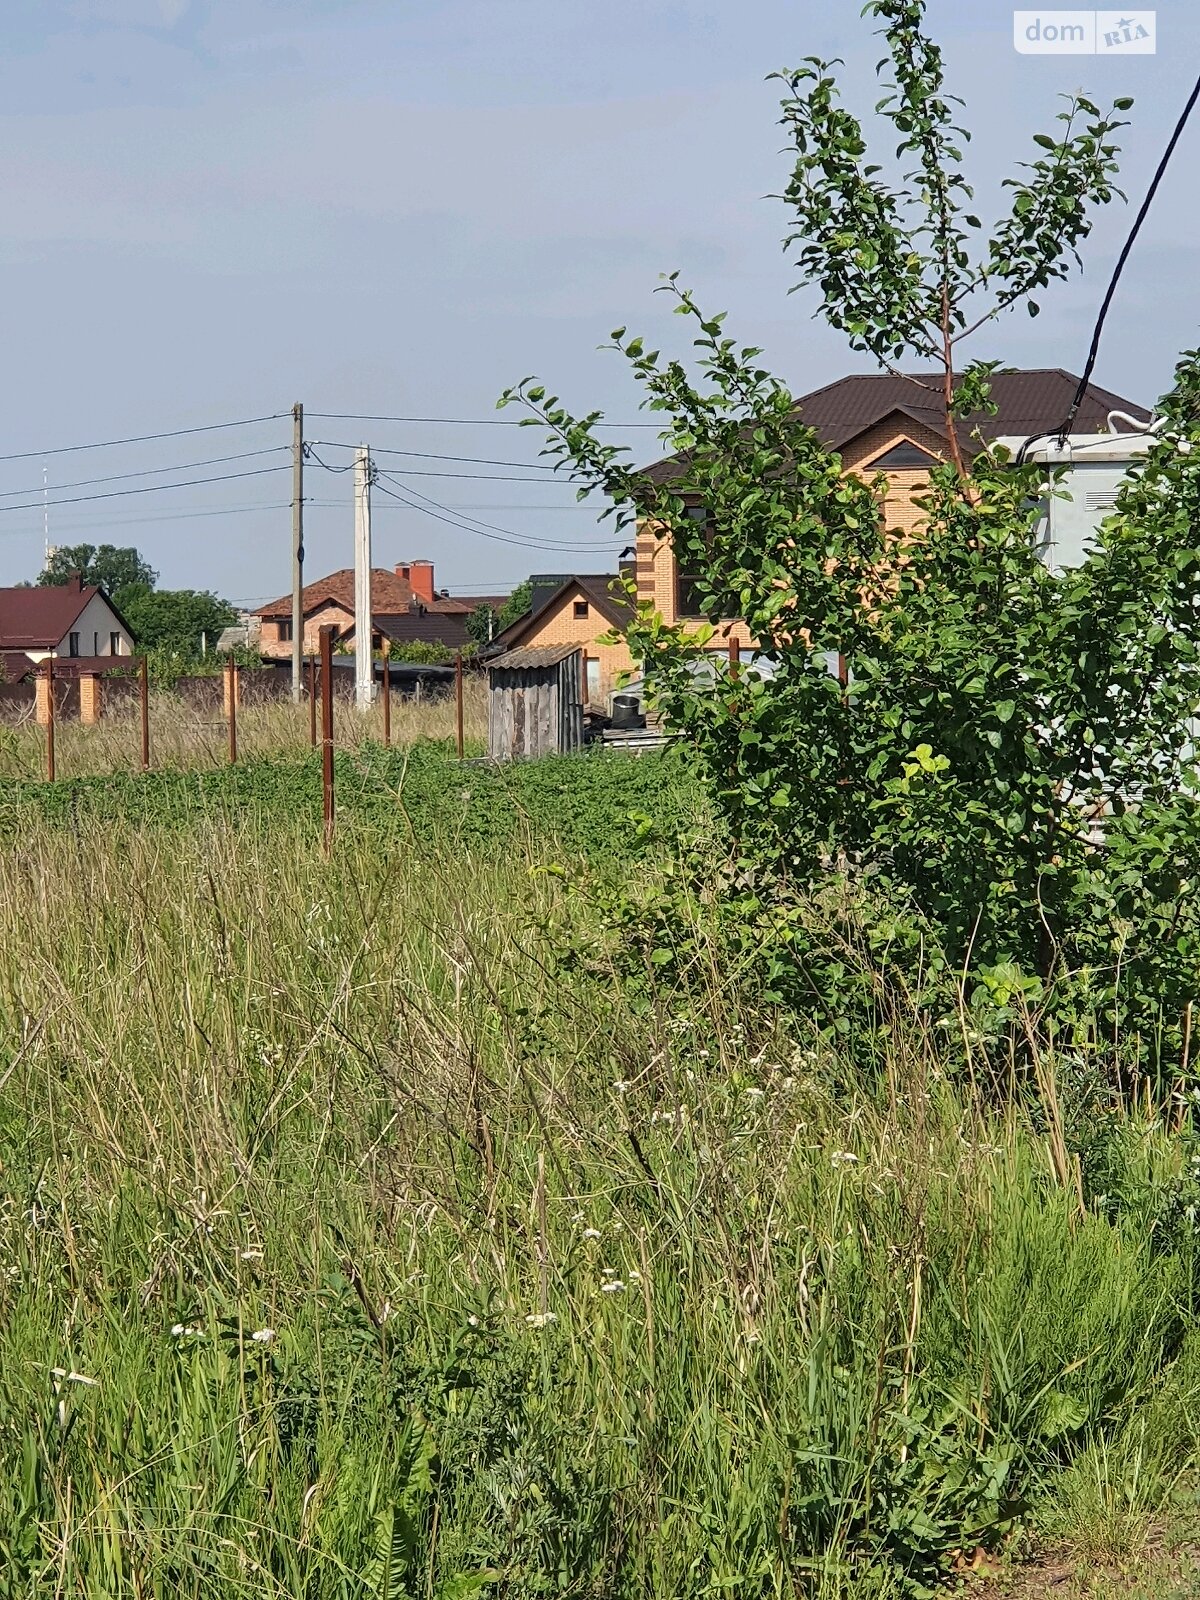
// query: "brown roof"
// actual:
[[428, 627], [83, 666], [548, 655], [388, 593], [15, 665], [1027, 402], [37, 618], [596, 587]]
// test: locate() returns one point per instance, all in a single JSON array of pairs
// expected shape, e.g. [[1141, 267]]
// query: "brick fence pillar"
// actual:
[[42, 700], [91, 698]]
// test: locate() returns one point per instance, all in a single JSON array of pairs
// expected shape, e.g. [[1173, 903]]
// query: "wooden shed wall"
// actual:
[[535, 711]]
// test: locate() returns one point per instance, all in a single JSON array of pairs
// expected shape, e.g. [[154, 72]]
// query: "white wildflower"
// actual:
[[754, 1094], [591, 1233], [250, 1255], [843, 1158], [613, 1286], [263, 1335], [635, 1277], [541, 1319], [472, 1321], [622, 1086]]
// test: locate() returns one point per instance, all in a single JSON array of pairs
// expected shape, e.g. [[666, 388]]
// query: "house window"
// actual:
[[114, 644], [592, 669], [581, 608], [690, 580], [376, 641], [72, 644], [902, 454], [95, 644], [285, 631]]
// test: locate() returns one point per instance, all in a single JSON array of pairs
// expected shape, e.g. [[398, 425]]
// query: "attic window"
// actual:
[[581, 608], [903, 454], [691, 584], [72, 644]]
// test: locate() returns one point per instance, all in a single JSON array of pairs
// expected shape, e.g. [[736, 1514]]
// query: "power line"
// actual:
[[1089, 365], [150, 488], [432, 455], [142, 438], [143, 472], [493, 527], [462, 422], [464, 527]]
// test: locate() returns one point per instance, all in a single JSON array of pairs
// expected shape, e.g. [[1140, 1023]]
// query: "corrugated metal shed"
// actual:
[[535, 702]]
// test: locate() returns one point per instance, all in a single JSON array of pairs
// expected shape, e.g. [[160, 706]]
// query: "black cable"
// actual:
[[494, 527], [150, 488], [144, 472], [143, 438], [1089, 367], [311, 455], [465, 422], [432, 455], [465, 528]]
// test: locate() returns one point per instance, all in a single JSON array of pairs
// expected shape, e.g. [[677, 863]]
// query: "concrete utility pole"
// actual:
[[364, 656], [297, 550]]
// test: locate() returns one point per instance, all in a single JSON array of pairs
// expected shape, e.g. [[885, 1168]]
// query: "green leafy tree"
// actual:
[[174, 621], [1007, 759], [516, 606], [483, 624], [111, 567]]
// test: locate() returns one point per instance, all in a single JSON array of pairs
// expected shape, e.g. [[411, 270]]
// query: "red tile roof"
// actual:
[[389, 595], [37, 618]]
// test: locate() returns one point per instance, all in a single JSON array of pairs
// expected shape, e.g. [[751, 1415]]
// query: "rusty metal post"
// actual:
[[50, 718], [387, 691], [458, 697], [327, 729], [735, 655], [144, 698], [231, 674], [312, 701]]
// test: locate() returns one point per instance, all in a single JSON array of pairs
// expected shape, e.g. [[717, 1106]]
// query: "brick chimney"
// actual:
[[419, 574]]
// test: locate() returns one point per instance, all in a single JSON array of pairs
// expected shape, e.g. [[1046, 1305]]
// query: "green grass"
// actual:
[[573, 1285]]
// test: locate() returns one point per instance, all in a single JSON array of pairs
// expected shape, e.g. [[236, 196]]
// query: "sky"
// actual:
[[216, 208]]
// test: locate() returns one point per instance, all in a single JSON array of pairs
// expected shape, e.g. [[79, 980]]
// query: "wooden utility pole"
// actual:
[[327, 729], [297, 550], [364, 657], [312, 701], [144, 698]]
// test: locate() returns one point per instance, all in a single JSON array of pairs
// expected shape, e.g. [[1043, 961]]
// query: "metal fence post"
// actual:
[[387, 691], [458, 696], [144, 698], [50, 718], [327, 730]]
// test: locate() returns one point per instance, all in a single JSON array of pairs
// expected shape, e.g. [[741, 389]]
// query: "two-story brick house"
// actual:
[[894, 425]]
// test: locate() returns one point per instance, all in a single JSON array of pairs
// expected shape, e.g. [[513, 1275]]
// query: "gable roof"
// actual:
[[425, 627], [592, 586], [1027, 402], [37, 618], [390, 594]]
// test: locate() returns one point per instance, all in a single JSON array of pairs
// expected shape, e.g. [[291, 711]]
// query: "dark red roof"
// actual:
[[37, 618], [15, 665], [390, 594], [1027, 402]]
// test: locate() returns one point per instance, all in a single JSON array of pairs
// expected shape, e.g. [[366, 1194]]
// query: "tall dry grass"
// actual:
[[186, 738], [361, 1234]]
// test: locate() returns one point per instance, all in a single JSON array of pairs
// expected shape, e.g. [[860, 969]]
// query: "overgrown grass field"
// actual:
[[372, 1225]]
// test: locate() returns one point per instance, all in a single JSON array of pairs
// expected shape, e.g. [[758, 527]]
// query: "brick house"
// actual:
[[405, 606], [580, 611], [70, 621], [892, 425]]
